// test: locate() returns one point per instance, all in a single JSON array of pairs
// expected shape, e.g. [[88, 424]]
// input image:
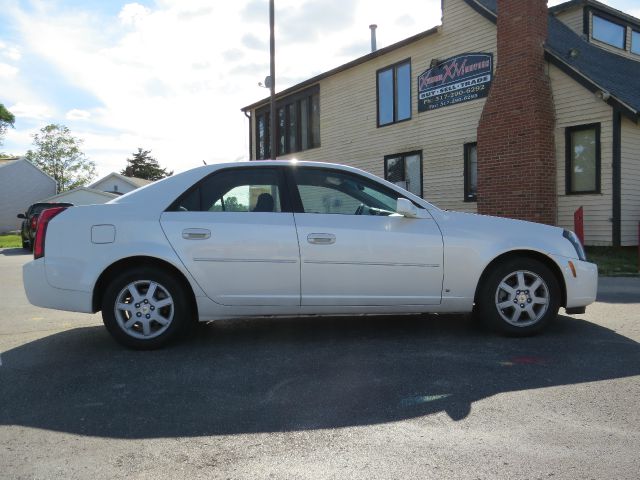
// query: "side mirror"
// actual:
[[21, 215], [407, 209]]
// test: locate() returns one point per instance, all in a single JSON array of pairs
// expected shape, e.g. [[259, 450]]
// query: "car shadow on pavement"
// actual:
[[12, 252], [293, 374]]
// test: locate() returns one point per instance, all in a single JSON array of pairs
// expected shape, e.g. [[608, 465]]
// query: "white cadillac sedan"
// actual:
[[296, 238]]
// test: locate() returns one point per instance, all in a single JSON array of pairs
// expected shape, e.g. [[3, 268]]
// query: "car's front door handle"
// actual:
[[321, 238], [196, 234]]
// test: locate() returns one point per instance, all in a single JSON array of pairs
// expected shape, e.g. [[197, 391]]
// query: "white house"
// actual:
[[105, 189], [82, 196], [119, 184], [21, 184]]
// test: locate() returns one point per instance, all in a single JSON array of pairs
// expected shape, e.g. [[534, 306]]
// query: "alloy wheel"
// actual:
[[522, 298], [144, 309]]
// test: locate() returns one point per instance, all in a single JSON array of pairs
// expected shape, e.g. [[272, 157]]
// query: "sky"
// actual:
[[171, 76]]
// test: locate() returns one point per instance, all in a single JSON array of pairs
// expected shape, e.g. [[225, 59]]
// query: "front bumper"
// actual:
[[41, 294], [581, 288]]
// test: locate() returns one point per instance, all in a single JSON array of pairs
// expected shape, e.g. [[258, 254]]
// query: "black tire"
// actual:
[[154, 334], [523, 313], [26, 245]]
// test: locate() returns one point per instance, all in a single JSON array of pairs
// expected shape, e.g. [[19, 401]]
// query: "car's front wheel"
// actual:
[[520, 297], [144, 308]]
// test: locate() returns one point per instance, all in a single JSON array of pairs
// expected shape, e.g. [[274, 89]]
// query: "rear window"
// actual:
[[234, 190]]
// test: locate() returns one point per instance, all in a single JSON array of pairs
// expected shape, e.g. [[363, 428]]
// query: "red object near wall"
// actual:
[[578, 224]]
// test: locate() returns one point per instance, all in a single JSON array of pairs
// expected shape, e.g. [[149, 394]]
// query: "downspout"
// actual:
[[616, 174], [250, 136]]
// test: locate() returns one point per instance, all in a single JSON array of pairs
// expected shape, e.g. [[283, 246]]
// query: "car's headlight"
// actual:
[[575, 241]]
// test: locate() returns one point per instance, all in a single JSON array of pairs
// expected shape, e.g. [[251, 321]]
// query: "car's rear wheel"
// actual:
[[520, 297], [26, 245], [144, 308]]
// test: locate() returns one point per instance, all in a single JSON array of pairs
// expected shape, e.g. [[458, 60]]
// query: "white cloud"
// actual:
[[133, 13], [10, 52], [172, 78], [7, 70], [77, 114], [30, 111], [180, 93], [169, 93], [13, 54], [20, 136]]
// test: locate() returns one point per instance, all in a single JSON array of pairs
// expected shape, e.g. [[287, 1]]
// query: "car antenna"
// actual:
[[204, 162]]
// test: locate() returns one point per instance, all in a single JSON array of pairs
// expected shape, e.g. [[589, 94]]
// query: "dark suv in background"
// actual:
[[30, 221]]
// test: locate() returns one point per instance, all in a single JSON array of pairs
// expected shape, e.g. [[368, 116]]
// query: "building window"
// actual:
[[470, 172], [262, 136], [608, 32], [583, 159], [405, 170], [394, 93], [635, 42], [282, 130], [298, 124]]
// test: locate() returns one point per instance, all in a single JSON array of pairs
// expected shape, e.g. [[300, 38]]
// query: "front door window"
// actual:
[[328, 192]]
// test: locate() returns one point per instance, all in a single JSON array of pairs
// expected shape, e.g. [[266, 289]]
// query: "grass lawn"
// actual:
[[10, 241], [614, 261]]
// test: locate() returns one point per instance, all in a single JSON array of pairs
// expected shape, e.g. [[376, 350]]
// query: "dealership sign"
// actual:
[[455, 80]]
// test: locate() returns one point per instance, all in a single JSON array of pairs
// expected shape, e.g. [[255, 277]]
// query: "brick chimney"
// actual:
[[516, 154]]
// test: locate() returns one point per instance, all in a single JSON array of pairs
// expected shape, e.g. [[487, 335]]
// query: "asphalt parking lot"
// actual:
[[385, 397]]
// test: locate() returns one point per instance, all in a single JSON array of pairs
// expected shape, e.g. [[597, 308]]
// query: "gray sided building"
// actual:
[[21, 184]]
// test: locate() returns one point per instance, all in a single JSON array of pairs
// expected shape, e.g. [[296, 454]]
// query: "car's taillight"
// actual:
[[41, 232], [34, 223]]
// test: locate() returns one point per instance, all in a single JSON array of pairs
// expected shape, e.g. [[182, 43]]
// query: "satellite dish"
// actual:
[[266, 83]]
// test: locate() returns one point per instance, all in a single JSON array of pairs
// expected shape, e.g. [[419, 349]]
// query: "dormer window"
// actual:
[[608, 32]]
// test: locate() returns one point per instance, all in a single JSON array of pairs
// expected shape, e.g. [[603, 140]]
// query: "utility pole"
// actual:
[[272, 55]]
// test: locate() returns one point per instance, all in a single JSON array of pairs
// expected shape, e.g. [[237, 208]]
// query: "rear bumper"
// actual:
[[41, 294], [581, 288]]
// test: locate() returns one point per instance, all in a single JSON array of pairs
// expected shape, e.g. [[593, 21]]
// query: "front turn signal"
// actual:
[[573, 269]]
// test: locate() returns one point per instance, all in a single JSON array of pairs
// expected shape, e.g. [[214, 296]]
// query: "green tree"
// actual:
[[143, 165], [6, 120], [58, 154], [231, 204]]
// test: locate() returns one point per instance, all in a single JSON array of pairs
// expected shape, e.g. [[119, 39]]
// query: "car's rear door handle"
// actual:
[[321, 238], [196, 234]]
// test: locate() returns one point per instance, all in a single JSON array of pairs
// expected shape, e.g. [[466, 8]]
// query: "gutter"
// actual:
[[590, 85], [482, 10], [616, 179], [248, 115]]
